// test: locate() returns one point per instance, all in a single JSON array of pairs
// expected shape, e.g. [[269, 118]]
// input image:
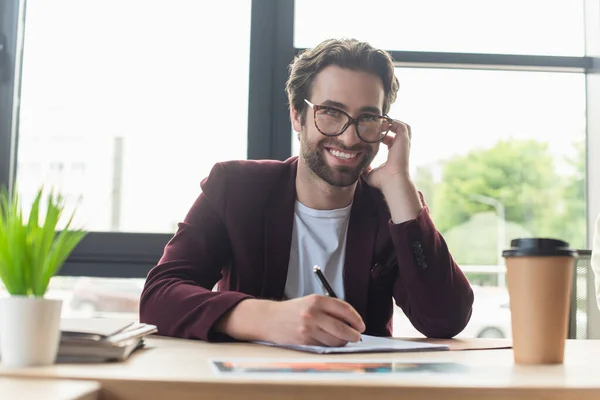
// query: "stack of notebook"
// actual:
[[100, 340]]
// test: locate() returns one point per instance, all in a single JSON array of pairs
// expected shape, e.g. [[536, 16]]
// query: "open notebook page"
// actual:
[[369, 344]]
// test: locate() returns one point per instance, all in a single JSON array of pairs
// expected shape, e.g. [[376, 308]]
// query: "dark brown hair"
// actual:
[[345, 53]]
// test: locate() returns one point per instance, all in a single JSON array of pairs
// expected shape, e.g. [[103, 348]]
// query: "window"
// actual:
[[128, 104], [516, 137], [498, 154], [495, 152], [480, 132], [468, 26]]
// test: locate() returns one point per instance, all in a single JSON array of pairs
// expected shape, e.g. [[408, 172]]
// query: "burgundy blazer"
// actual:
[[238, 233]]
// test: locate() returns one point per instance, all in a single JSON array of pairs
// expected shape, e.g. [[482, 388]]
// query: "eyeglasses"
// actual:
[[331, 121]]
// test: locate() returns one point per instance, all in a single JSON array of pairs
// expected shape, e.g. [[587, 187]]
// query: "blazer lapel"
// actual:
[[360, 243], [279, 220]]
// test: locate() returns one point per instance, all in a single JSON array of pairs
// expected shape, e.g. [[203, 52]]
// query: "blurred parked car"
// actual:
[[490, 318], [98, 295]]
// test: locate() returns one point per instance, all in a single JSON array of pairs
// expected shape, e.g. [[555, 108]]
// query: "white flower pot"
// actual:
[[29, 331]]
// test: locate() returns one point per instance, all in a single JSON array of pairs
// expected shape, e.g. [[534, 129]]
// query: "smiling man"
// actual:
[[259, 227]]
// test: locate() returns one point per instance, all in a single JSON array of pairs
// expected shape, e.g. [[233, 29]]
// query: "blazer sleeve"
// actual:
[[430, 288], [178, 296]]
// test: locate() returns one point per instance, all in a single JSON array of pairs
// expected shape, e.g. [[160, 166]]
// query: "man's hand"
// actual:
[[312, 320], [396, 166], [393, 176]]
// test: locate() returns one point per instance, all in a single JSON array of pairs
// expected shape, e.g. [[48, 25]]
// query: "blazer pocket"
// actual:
[[379, 271]]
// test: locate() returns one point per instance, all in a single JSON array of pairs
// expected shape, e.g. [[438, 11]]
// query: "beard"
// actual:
[[339, 175]]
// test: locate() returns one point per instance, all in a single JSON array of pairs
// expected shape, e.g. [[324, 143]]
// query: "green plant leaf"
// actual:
[[45, 240], [32, 251], [7, 267], [61, 248], [15, 245], [35, 250]]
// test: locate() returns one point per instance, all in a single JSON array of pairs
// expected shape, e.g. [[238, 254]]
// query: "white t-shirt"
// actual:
[[318, 238]]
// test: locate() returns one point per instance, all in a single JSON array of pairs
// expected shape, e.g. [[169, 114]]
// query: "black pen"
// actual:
[[326, 286]]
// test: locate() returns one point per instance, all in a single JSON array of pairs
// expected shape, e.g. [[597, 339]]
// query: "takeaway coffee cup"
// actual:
[[539, 276]]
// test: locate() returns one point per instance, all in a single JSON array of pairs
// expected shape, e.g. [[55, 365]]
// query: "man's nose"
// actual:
[[350, 136]]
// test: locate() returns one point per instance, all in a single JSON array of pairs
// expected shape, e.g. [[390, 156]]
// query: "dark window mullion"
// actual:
[[284, 54], [271, 51], [116, 254], [491, 61], [10, 64]]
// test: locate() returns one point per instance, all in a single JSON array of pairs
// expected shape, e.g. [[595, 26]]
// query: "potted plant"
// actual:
[[32, 251]]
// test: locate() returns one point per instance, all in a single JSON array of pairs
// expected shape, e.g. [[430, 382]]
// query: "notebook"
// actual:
[[369, 344], [93, 327], [100, 340]]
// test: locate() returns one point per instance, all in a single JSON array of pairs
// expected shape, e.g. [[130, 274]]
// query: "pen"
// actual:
[[326, 286]]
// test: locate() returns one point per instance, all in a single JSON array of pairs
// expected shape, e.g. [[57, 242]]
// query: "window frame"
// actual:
[[592, 49], [11, 37]]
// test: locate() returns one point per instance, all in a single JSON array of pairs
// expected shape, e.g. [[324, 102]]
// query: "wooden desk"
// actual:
[[177, 369], [47, 389]]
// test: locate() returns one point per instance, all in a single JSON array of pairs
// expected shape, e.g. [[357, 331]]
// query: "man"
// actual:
[[259, 227]]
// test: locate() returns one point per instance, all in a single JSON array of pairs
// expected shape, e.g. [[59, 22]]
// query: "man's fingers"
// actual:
[[337, 328], [388, 140], [344, 312], [399, 126], [324, 338]]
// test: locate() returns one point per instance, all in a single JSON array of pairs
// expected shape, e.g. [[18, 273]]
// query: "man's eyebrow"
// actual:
[[341, 106]]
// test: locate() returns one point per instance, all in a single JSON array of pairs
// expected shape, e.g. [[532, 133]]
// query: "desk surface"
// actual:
[[181, 369], [47, 389]]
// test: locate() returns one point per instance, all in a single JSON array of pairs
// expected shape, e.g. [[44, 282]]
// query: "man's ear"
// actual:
[[296, 119]]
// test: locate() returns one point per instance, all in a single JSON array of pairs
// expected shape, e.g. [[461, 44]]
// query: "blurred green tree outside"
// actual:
[[542, 196]]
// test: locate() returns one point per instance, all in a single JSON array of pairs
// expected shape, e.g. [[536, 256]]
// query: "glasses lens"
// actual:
[[330, 121], [372, 128]]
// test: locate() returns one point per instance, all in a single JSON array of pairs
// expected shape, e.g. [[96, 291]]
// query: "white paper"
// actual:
[[369, 344]]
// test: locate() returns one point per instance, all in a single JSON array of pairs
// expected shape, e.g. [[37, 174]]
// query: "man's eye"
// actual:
[[368, 117], [332, 112]]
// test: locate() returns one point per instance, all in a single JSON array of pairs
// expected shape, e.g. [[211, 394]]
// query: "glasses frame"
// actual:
[[351, 121]]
